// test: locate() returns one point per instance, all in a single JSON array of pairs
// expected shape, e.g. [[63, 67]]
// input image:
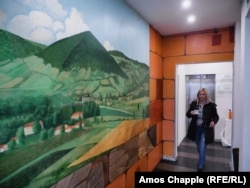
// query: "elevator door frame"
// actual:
[[221, 70]]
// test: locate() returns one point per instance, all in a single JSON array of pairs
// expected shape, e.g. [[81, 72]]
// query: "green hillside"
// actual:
[[72, 67]]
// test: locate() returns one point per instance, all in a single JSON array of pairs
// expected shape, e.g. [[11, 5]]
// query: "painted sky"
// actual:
[[112, 22]]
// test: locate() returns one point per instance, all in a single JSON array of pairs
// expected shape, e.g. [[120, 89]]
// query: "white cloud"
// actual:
[[29, 26], [47, 18], [51, 7], [73, 24], [42, 35], [21, 25], [57, 26], [40, 19], [55, 8], [108, 46]]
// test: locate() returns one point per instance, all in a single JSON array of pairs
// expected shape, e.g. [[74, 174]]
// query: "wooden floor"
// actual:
[[217, 159]]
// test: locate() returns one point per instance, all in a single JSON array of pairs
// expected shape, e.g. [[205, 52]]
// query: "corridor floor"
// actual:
[[217, 159]]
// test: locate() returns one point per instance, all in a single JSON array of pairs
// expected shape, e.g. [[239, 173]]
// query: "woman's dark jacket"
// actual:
[[209, 114]]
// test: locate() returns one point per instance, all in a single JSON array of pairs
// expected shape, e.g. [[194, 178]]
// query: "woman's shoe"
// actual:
[[199, 170]]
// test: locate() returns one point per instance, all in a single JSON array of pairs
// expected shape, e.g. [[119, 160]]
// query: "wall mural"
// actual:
[[71, 72]]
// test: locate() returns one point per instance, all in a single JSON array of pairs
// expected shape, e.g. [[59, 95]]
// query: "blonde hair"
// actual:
[[207, 95]]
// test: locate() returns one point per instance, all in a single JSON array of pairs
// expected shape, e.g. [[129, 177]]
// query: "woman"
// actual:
[[201, 128]]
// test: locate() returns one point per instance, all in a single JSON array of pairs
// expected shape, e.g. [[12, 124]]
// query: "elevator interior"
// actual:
[[196, 82]]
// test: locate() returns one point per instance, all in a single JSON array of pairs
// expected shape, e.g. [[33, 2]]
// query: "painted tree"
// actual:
[[44, 134], [36, 127], [20, 135]]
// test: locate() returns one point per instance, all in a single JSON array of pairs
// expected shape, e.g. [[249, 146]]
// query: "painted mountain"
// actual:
[[80, 51]]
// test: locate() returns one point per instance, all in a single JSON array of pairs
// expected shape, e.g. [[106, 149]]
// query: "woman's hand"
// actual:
[[211, 124], [194, 112]]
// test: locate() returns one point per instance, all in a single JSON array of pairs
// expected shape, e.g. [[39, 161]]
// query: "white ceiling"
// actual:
[[168, 17]]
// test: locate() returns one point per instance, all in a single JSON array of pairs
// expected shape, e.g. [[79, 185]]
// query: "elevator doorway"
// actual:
[[217, 78], [196, 82]]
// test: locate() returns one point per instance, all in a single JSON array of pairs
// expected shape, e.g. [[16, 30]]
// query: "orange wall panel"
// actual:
[[199, 44], [159, 133], [202, 43], [168, 148], [168, 89], [173, 46], [155, 108], [169, 66], [155, 41], [168, 130], [159, 88], [155, 66], [168, 109], [152, 90]]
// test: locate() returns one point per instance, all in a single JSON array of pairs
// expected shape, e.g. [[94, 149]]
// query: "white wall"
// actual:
[[223, 93], [241, 99]]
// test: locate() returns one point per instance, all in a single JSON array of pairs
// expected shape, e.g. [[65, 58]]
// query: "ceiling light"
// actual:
[[186, 4], [191, 18]]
